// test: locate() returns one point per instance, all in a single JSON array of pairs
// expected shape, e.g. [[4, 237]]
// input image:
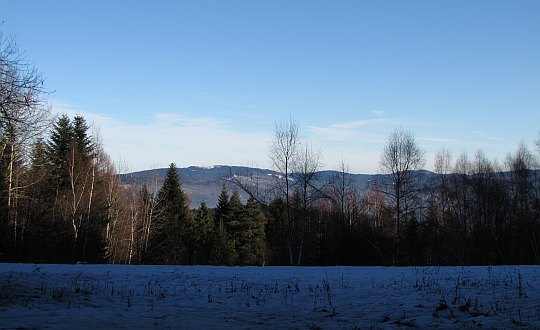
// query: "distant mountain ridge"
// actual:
[[201, 184], [205, 183]]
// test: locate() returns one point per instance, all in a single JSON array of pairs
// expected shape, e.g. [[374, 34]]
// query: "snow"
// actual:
[[205, 297]]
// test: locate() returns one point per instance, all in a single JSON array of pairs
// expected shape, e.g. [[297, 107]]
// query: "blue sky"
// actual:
[[203, 82]]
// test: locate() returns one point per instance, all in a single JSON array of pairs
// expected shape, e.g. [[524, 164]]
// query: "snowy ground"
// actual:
[[201, 297]]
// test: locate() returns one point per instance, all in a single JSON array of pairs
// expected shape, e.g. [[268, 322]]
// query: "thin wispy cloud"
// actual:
[[179, 120], [440, 140], [358, 123], [357, 142], [213, 97], [158, 139], [163, 138], [487, 136], [377, 112], [185, 140], [340, 135], [368, 130]]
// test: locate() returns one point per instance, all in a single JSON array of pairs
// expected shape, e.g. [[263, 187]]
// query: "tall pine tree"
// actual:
[[172, 240], [76, 184], [58, 147], [81, 139], [233, 223], [251, 238], [222, 207], [204, 232]]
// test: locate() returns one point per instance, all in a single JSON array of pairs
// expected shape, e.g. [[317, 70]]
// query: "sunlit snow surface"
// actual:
[[201, 297]]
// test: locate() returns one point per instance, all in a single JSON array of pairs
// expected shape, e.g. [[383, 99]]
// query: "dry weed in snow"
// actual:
[[197, 297]]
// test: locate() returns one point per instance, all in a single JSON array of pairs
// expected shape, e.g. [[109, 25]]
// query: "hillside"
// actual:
[[205, 183], [200, 183]]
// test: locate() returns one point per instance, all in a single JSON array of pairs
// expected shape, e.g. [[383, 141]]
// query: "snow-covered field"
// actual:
[[205, 297]]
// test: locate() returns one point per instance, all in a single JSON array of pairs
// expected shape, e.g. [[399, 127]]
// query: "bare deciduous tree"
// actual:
[[342, 187], [306, 166], [23, 118], [443, 167], [82, 178], [261, 188], [522, 180], [283, 155], [400, 158]]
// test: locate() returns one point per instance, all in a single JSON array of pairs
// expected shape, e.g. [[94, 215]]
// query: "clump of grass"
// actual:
[[444, 307], [328, 291], [521, 290]]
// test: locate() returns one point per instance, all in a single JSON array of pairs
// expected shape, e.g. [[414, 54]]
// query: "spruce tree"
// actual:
[[80, 137], [172, 243], [233, 222], [221, 251], [73, 181], [222, 248], [204, 232], [222, 207], [58, 148], [275, 233], [252, 243]]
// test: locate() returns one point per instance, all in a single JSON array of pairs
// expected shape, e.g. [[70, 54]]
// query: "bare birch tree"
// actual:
[[23, 117], [400, 158], [343, 194], [283, 154], [443, 167], [306, 166], [82, 177], [522, 181]]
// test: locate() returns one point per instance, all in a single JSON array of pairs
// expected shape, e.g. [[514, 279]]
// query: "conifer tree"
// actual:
[[222, 248], [233, 223], [57, 149], [172, 243], [222, 207], [81, 140], [252, 244], [204, 232], [73, 180], [275, 233], [221, 251]]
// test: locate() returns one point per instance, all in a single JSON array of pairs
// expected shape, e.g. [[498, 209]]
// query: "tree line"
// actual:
[[62, 201], [469, 211]]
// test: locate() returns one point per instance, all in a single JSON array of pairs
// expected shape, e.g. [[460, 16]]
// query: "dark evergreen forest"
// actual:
[[62, 201]]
